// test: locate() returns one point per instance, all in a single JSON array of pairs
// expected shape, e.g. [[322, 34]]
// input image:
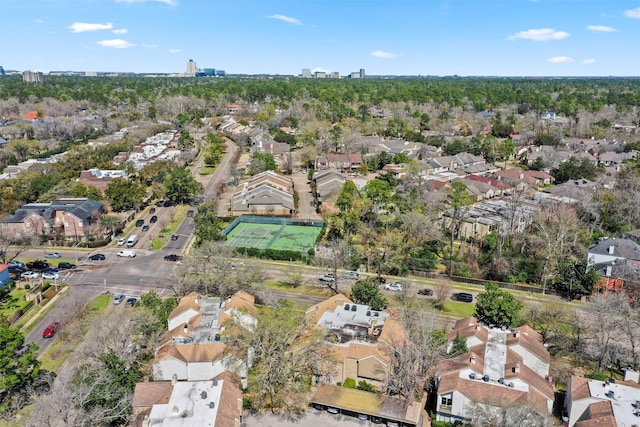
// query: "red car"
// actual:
[[50, 330]]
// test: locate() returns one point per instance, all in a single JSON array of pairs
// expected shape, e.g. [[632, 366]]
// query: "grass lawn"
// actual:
[[66, 341], [302, 289], [167, 230], [206, 170], [459, 309]]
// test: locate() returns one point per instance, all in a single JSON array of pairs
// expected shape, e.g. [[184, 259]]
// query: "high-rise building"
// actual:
[[306, 73], [33, 77], [1, 71], [362, 73], [191, 68]]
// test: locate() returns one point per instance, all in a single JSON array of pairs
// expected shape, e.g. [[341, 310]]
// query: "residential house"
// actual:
[[266, 193], [607, 250], [340, 162], [591, 403], [100, 179], [4, 275], [328, 183], [215, 403], [361, 338], [380, 407], [193, 348], [500, 187], [502, 369], [478, 189], [529, 178], [63, 218], [398, 171]]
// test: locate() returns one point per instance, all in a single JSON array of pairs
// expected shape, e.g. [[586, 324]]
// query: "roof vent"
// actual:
[[214, 383], [472, 375], [212, 405], [500, 380], [485, 378], [610, 394], [354, 307], [512, 385], [203, 394], [346, 307]]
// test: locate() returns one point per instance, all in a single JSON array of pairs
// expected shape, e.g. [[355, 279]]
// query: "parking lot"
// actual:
[[312, 418]]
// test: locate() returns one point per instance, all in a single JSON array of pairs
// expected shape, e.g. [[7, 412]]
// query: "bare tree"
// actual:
[[442, 290], [483, 415]]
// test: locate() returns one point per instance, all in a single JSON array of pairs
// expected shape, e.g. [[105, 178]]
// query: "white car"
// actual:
[[29, 275], [50, 276], [53, 255], [393, 287], [122, 241]]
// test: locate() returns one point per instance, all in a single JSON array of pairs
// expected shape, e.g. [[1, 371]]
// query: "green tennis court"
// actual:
[[251, 235], [296, 238]]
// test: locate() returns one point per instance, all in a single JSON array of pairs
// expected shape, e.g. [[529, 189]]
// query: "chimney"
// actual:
[[631, 375], [611, 249], [472, 359], [174, 379], [516, 368], [186, 328], [608, 272]]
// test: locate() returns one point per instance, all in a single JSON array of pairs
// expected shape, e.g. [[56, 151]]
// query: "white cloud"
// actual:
[[601, 28], [319, 70], [169, 2], [149, 46], [120, 31], [287, 19], [38, 21], [82, 27], [382, 54], [633, 13], [540, 35], [561, 60], [175, 51], [116, 43], [589, 61]]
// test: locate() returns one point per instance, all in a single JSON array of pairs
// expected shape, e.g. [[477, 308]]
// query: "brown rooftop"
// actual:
[[151, 393]]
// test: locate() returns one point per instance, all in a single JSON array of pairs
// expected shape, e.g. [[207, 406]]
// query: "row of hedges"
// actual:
[[274, 254], [19, 313]]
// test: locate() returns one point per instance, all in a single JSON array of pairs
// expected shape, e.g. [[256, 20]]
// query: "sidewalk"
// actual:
[[36, 317]]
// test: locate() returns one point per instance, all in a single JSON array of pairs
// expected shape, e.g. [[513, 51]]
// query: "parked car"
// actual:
[[145, 228], [152, 210], [397, 287], [49, 275], [172, 257], [50, 330], [118, 299], [132, 301], [190, 213], [332, 410], [15, 263], [49, 270], [30, 275], [63, 265], [328, 277], [381, 280], [425, 291], [37, 265], [352, 275], [153, 219], [97, 257], [174, 237], [463, 296], [140, 223], [122, 241], [17, 270], [53, 255]]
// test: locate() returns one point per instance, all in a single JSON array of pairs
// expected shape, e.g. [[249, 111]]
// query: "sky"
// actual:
[[385, 37]]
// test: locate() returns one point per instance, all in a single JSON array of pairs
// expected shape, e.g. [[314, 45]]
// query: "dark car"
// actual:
[[190, 213], [153, 219], [426, 291], [381, 280], [174, 237], [172, 257], [97, 257], [50, 330], [66, 265], [139, 222], [16, 263], [37, 265], [132, 301], [463, 296], [152, 210], [49, 270], [145, 228], [16, 270]]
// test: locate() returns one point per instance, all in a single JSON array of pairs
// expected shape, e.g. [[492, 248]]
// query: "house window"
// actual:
[[445, 402]]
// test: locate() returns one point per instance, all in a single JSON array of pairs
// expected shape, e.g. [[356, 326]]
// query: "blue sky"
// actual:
[[396, 37]]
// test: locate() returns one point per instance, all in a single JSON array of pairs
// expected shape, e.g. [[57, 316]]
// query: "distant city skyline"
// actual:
[[406, 37]]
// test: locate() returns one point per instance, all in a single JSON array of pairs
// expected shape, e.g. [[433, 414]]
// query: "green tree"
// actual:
[[335, 135], [17, 367], [207, 223], [458, 347], [575, 278], [185, 140], [123, 194], [378, 191], [182, 186], [347, 197], [366, 292], [458, 199], [497, 307], [261, 162], [457, 146]]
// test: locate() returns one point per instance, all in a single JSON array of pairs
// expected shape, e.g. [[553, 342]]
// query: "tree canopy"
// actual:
[[19, 364], [182, 186], [366, 292], [497, 307]]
